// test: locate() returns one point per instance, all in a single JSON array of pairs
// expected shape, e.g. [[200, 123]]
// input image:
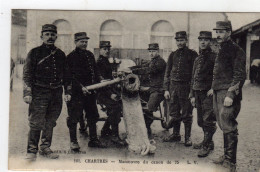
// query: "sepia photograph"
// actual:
[[118, 90]]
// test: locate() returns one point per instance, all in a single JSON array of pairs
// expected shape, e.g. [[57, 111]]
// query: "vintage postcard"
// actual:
[[134, 91]]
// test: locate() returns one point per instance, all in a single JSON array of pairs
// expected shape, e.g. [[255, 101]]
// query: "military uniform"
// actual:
[[43, 76], [155, 69], [229, 75], [114, 108], [202, 76], [83, 72], [177, 81]]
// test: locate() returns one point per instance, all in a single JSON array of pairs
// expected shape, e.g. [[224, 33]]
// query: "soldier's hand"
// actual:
[[210, 92], [167, 95], [192, 101], [228, 102], [85, 91], [114, 97], [67, 98], [27, 99]]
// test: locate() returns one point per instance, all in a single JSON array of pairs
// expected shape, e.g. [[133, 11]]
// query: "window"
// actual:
[[65, 39], [111, 30], [162, 33]]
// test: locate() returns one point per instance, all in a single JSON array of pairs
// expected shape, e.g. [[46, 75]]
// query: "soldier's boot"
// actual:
[[74, 146], [115, 136], [32, 147], [221, 159], [206, 148], [188, 141], [94, 141], [83, 128], [231, 151], [148, 122], [106, 131], [175, 136], [208, 135], [46, 140]]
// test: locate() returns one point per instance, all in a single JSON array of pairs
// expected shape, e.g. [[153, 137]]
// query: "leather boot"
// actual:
[[115, 136], [106, 131], [94, 141], [148, 116], [83, 127], [46, 140], [187, 135], [32, 147], [74, 146], [231, 151], [73, 133], [207, 145], [175, 136], [221, 159]]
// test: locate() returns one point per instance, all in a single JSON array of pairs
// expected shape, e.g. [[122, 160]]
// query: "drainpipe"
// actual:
[[188, 29]]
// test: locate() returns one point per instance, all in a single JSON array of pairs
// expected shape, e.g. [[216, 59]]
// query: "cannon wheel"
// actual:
[[164, 111]]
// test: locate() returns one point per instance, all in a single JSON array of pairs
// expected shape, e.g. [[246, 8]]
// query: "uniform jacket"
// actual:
[[156, 69], [230, 69], [202, 73], [82, 70], [179, 66], [105, 69], [41, 71]]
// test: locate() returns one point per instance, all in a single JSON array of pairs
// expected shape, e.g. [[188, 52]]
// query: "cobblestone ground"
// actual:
[[181, 157]]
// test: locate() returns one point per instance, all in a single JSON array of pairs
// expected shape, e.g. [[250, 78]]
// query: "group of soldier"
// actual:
[[212, 82]]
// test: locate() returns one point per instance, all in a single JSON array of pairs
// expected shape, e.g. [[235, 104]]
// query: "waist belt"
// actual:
[[48, 85]]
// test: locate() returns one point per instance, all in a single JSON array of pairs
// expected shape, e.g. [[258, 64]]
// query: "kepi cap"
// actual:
[[49, 27], [80, 35], [223, 25], [153, 46], [181, 34], [103, 44], [205, 34]]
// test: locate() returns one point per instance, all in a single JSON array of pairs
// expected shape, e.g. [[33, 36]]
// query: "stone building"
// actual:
[[248, 37], [130, 32]]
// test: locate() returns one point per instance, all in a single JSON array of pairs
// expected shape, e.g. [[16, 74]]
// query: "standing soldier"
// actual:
[[43, 78], [155, 68], [229, 75], [201, 93], [109, 96], [83, 72], [177, 82]]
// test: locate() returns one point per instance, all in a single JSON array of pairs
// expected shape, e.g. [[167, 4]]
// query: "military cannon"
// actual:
[[136, 131]]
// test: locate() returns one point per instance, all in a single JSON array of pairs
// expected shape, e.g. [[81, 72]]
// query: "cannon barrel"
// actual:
[[103, 84]]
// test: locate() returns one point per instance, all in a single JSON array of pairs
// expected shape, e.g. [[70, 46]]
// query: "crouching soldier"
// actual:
[[43, 75], [201, 93], [177, 81], [229, 75], [83, 72], [155, 69], [109, 96]]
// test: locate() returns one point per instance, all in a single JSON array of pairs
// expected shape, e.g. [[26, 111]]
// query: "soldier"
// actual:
[[155, 68], [110, 96], [229, 75], [83, 72], [43, 78], [177, 81], [201, 93]]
